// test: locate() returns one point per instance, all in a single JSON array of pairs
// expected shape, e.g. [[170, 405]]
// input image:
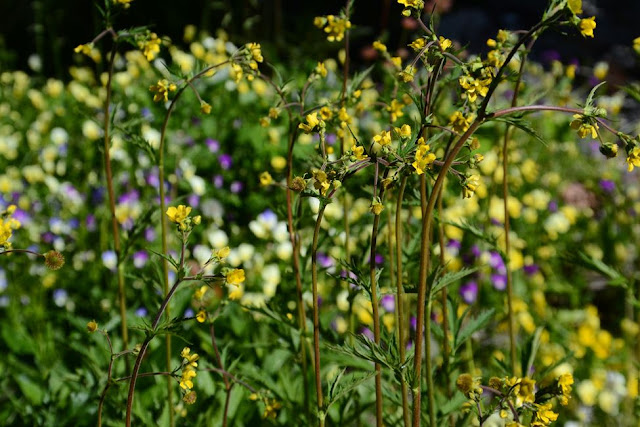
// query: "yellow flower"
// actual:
[[408, 73], [379, 46], [418, 44], [575, 6], [411, 4], [404, 131], [636, 45], [179, 214], [526, 391], [544, 416], [190, 359], [423, 157], [470, 185], [235, 277], [326, 113], [124, 3], [92, 326], [564, 384], [201, 316], [335, 28], [587, 26], [222, 253], [271, 409], [150, 47], [321, 181], [312, 122], [395, 108], [200, 293], [383, 138], [358, 152], [186, 382], [162, 89], [265, 179], [458, 122], [469, 386], [205, 108], [321, 69], [583, 127], [85, 49], [256, 52], [633, 158], [445, 43], [376, 206]]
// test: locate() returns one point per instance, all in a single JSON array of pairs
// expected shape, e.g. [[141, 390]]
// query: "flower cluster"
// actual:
[[7, 225], [334, 26], [180, 215], [189, 364], [162, 89]]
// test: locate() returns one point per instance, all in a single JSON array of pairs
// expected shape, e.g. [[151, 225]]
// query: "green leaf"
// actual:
[[173, 262], [518, 122], [530, 351], [473, 326], [450, 278], [591, 96], [352, 381], [32, 391]]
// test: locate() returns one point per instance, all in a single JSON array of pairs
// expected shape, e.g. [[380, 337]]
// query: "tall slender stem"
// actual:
[[122, 301], [507, 225], [401, 327], [316, 321], [375, 308], [227, 384], [424, 260]]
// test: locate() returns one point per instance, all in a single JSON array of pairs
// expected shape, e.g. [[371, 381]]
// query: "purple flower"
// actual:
[[553, 206], [469, 292], [236, 187], [193, 200], [325, 260], [413, 322], [60, 297], [496, 262], [367, 333], [140, 258], [531, 269], [213, 145], [331, 138], [141, 312], [110, 260], [225, 161], [454, 244], [189, 313], [90, 222], [153, 180], [379, 259], [388, 302], [499, 281], [607, 185], [150, 234], [131, 196], [218, 181]]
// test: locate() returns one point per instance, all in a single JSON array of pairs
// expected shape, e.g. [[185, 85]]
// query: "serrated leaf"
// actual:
[[171, 261], [518, 122], [338, 392], [591, 96]]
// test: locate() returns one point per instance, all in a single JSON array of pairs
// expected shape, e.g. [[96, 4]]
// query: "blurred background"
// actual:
[[52, 28]]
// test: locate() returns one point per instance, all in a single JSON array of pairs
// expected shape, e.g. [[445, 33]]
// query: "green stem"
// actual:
[[401, 330], [164, 224], [376, 314], [424, 260], [316, 321], [122, 302]]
